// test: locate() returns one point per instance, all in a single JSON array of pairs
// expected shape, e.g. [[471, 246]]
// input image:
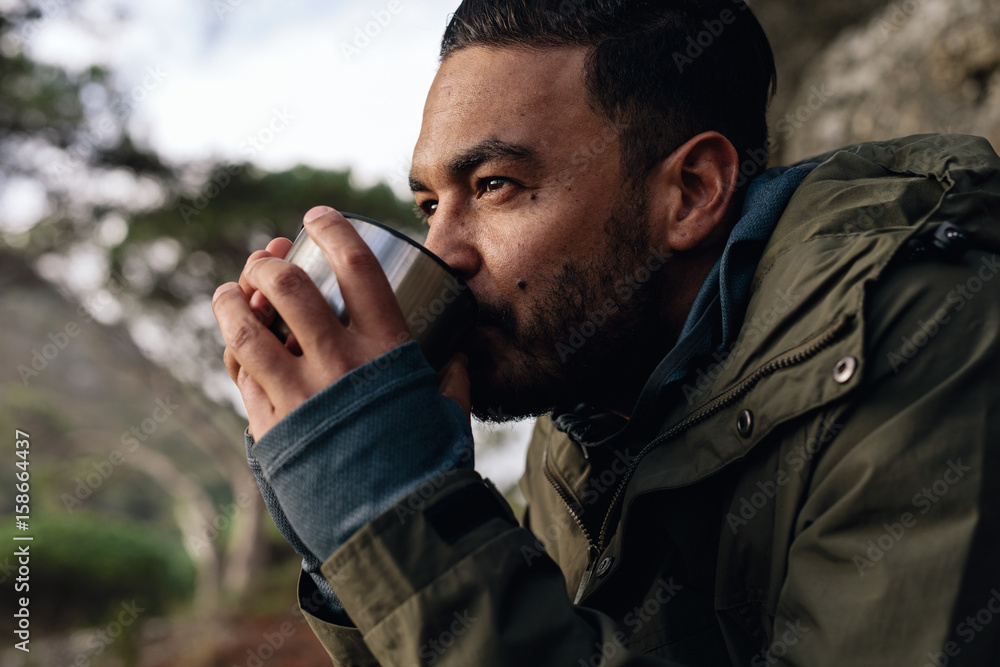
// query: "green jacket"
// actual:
[[826, 494]]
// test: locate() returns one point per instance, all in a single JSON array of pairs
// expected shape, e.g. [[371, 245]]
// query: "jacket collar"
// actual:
[[715, 316]]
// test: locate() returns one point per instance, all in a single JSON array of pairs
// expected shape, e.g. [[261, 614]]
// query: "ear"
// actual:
[[691, 190]]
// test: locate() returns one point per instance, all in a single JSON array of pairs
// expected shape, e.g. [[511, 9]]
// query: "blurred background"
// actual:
[[147, 148]]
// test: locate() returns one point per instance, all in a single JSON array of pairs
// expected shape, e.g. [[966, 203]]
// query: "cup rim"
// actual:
[[403, 237]]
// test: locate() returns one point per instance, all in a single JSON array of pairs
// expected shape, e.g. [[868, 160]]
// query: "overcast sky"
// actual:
[[331, 84]]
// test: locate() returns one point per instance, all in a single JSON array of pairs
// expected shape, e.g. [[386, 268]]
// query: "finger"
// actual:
[[293, 345], [254, 256], [232, 365], [260, 411], [367, 294], [253, 347], [453, 382], [279, 247], [295, 296], [262, 307], [259, 304]]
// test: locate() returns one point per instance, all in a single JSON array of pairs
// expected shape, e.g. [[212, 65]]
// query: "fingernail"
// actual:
[[316, 212], [222, 289]]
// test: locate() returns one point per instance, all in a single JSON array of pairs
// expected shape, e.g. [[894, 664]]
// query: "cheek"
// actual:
[[534, 243], [517, 251]]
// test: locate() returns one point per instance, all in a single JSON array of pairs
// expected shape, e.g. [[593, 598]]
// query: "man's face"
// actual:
[[527, 200]]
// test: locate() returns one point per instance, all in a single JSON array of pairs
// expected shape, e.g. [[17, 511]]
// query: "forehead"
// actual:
[[532, 97]]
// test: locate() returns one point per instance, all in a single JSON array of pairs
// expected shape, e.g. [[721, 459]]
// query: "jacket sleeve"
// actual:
[[895, 549], [443, 579]]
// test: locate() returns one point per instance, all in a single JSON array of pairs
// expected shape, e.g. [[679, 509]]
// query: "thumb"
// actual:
[[453, 382]]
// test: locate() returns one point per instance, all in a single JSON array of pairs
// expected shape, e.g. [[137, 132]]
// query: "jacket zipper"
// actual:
[[804, 351], [592, 551], [796, 356]]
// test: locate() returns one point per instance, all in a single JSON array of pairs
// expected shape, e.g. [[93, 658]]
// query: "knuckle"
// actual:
[[243, 379], [255, 255], [289, 280], [244, 334], [232, 366], [357, 258], [221, 304]]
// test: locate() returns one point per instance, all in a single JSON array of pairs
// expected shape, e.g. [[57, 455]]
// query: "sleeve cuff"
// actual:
[[361, 445]]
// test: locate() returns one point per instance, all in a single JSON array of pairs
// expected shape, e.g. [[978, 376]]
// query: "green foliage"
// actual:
[[36, 98], [236, 209], [84, 567]]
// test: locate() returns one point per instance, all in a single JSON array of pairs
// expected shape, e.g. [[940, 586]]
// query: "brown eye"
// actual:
[[493, 184]]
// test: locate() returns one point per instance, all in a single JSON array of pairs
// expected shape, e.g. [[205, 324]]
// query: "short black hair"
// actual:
[[659, 71]]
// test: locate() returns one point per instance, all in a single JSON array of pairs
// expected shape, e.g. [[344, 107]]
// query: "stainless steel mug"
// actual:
[[438, 306]]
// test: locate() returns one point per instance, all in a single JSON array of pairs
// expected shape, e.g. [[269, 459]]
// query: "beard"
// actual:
[[593, 334]]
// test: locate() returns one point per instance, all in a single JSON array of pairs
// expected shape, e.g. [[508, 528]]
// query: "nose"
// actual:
[[449, 239]]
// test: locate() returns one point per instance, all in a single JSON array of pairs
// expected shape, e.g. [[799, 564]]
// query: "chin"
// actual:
[[507, 383]]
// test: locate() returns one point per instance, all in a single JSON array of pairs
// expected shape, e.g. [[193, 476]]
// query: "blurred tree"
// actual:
[[161, 237]]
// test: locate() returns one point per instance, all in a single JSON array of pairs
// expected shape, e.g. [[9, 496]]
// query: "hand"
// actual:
[[275, 378]]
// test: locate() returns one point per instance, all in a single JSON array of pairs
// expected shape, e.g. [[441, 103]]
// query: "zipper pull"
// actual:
[[592, 554]]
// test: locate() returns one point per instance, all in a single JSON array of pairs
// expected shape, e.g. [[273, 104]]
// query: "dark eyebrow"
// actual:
[[485, 151], [417, 186]]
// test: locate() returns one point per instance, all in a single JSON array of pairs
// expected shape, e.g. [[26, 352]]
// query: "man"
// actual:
[[769, 436]]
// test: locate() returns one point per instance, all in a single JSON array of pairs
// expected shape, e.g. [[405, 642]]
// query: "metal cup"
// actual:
[[438, 306]]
